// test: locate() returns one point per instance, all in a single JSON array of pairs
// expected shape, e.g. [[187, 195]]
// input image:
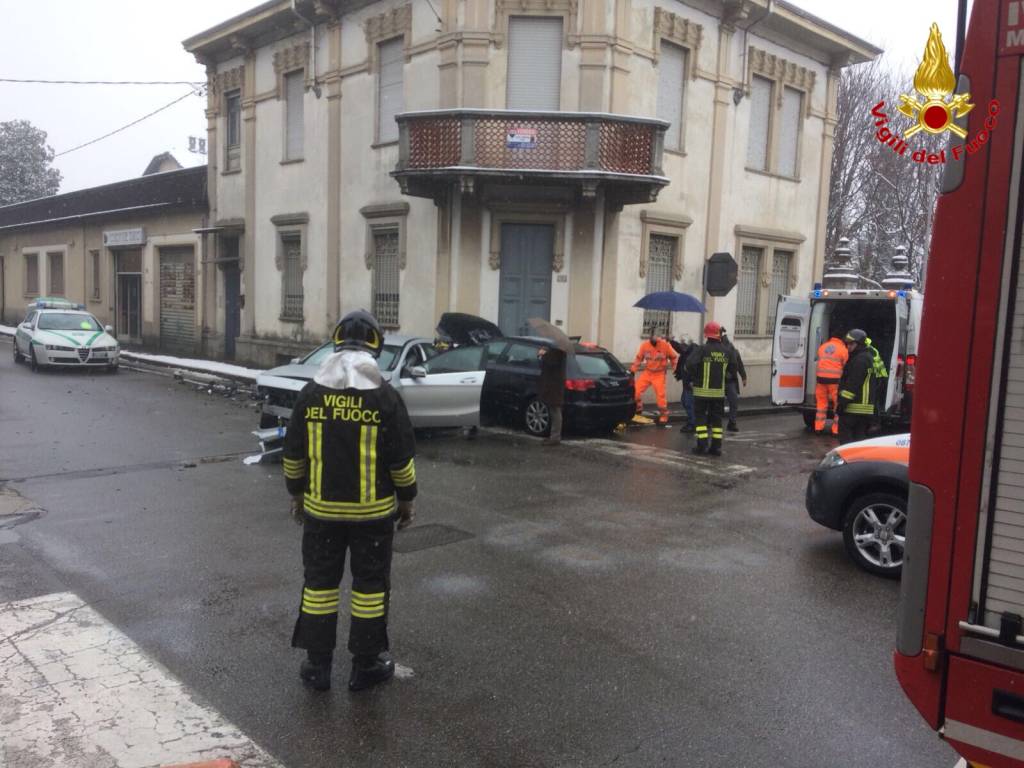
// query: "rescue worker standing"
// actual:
[[832, 357], [709, 367], [654, 357], [856, 389], [732, 384], [348, 462]]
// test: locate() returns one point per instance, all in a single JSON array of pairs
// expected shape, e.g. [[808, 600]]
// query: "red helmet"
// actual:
[[713, 330]]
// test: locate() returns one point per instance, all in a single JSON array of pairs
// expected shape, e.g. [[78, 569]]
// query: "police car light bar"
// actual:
[[48, 303]]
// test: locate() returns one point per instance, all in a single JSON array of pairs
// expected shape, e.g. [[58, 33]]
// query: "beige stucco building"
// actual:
[[128, 251], [516, 158]]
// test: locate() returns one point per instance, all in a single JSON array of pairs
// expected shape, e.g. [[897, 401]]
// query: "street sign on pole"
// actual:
[[720, 274]]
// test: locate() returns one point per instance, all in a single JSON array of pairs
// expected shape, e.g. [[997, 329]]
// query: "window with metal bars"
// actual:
[[748, 292], [55, 270], [661, 259], [94, 271], [386, 277], [292, 296], [32, 274], [781, 261]]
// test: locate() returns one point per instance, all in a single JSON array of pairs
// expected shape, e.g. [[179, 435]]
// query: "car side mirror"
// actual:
[[417, 371], [295, 360], [109, 329]]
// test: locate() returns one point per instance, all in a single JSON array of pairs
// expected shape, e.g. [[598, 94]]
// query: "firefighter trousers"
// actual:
[[709, 412], [826, 396], [646, 379], [323, 561], [853, 427]]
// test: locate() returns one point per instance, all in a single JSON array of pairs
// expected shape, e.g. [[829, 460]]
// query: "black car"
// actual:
[[598, 390]]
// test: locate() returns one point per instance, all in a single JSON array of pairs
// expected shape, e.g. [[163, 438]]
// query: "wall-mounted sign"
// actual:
[[117, 238], [521, 138]]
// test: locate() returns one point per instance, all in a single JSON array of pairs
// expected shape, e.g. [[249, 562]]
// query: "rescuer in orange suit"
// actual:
[[832, 357], [654, 357]]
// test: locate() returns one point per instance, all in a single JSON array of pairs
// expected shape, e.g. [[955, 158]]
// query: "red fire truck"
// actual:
[[960, 647]]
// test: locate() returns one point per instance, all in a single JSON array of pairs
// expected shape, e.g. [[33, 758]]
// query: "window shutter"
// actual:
[[390, 99], [294, 93], [56, 273], [31, 273], [661, 257], [671, 74], [781, 264], [534, 63], [789, 130], [760, 114], [747, 292]]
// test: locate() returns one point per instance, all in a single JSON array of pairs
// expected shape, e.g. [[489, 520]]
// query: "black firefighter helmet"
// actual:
[[359, 330]]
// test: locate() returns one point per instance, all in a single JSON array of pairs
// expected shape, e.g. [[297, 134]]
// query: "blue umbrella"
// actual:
[[671, 301]]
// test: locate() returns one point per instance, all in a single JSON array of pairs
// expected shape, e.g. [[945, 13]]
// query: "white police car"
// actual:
[[60, 333]]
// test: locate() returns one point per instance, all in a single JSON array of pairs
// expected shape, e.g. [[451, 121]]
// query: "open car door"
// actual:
[[445, 391], [789, 351]]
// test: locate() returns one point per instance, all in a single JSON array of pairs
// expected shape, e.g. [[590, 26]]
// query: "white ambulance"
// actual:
[[890, 317]]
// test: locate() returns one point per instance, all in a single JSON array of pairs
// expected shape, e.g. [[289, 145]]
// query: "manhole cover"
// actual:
[[426, 536]]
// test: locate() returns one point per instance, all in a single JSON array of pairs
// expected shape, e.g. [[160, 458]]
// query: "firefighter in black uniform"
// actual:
[[856, 389], [349, 465], [709, 366]]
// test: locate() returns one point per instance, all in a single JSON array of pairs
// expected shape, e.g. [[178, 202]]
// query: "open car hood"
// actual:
[[460, 328]]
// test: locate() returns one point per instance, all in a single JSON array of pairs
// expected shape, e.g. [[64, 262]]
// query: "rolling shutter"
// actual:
[[1004, 585], [789, 131], [760, 115], [390, 96], [177, 299], [670, 92], [534, 63]]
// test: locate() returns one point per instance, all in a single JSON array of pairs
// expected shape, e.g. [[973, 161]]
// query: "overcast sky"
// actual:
[[140, 40]]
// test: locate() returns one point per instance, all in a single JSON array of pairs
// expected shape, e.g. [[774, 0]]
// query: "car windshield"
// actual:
[[385, 362], [599, 365], [67, 321]]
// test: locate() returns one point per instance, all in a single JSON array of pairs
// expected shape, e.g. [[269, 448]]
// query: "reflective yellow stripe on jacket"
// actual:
[[405, 475]]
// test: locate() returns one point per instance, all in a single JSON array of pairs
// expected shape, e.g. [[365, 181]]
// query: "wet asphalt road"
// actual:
[[610, 602]]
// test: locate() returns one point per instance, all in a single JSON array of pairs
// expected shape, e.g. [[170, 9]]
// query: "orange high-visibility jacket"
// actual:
[[832, 356], [655, 358]]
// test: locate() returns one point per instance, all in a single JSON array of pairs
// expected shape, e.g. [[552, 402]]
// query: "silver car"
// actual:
[[434, 399]]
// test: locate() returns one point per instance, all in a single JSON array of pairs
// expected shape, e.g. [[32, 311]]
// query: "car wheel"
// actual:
[[33, 363], [536, 418], [874, 531], [113, 368], [17, 357]]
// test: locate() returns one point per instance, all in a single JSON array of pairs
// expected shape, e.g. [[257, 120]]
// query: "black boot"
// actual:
[[716, 448], [700, 448], [368, 671], [316, 671], [732, 427]]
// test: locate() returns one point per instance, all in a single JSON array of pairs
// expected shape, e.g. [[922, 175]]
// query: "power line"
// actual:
[[101, 82], [129, 125]]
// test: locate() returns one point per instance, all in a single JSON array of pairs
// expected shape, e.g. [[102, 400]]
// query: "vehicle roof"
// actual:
[[581, 349], [63, 311]]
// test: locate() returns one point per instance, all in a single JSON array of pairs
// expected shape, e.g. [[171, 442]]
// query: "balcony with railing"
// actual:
[[587, 152]]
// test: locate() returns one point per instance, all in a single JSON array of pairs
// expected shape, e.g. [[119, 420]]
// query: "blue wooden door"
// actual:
[[525, 292]]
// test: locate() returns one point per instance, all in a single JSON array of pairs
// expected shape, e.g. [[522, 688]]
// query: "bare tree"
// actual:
[[879, 198], [26, 159]]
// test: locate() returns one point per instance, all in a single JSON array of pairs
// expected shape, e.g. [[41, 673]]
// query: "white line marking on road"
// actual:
[[76, 692]]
